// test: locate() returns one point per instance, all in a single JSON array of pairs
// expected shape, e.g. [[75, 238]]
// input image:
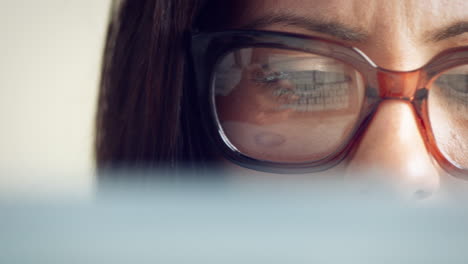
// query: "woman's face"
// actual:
[[399, 35]]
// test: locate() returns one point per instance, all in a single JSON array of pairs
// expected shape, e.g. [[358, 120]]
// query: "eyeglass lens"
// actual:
[[448, 114], [286, 106], [292, 107]]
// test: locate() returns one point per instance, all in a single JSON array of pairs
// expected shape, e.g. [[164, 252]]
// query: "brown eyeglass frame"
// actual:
[[380, 84]]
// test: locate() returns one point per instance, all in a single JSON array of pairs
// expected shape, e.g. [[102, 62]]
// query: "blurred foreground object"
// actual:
[[220, 222]]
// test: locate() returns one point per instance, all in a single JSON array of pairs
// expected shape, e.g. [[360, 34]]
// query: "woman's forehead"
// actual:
[[420, 18], [396, 34]]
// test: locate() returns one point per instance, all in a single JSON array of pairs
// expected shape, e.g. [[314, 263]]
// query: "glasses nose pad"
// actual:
[[391, 157], [398, 85]]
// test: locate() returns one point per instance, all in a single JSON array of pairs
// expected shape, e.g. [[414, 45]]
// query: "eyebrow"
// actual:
[[451, 31], [335, 29], [343, 32]]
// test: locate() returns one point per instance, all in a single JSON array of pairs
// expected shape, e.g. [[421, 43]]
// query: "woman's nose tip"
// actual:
[[391, 154]]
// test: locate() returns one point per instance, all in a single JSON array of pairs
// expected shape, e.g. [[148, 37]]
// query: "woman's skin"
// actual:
[[399, 35]]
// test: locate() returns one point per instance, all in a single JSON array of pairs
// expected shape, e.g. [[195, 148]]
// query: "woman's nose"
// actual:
[[391, 154]]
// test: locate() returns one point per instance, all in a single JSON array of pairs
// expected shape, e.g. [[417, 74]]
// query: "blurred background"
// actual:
[[49, 73]]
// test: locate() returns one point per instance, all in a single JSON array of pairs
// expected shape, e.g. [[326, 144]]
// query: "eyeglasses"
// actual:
[[288, 103]]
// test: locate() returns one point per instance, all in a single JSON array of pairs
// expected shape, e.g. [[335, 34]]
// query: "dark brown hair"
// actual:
[[145, 118]]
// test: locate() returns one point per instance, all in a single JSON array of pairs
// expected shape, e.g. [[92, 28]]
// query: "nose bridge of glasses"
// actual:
[[397, 85]]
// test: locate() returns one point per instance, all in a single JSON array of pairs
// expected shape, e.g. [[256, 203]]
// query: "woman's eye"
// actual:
[[307, 90], [457, 83], [453, 88], [304, 83], [272, 77]]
